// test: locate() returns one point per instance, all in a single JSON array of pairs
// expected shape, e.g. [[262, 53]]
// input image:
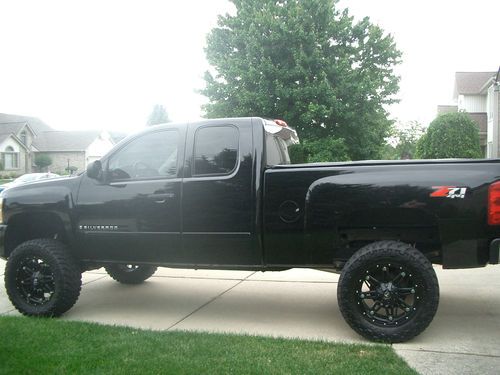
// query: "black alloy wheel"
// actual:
[[388, 291], [42, 278], [130, 273], [389, 294], [35, 281]]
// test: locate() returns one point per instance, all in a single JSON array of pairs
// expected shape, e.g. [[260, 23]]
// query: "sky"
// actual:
[[105, 64]]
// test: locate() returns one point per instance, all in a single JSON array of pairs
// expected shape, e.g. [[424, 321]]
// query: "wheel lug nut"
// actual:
[[413, 291], [367, 277], [390, 318], [384, 268], [403, 274], [407, 309], [362, 295]]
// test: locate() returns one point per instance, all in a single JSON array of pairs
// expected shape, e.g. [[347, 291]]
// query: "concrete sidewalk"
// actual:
[[463, 338]]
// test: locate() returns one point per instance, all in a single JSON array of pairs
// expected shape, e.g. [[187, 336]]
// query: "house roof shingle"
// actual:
[[471, 83], [36, 124], [11, 127], [65, 140]]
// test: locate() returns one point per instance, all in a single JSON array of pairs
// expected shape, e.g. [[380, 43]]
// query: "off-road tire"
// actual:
[[125, 275], [384, 252], [65, 275]]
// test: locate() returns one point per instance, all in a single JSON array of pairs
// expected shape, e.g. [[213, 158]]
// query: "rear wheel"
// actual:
[[388, 291], [130, 273], [42, 278]]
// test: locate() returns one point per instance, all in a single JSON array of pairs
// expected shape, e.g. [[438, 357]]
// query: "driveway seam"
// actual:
[[7, 312], [208, 302], [444, 352], [91, 281]]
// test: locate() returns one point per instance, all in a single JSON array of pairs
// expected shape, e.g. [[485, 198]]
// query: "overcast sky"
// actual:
[[104, 64]]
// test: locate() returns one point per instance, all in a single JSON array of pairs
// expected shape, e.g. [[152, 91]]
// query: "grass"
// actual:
[[4, 181], [39, 346]]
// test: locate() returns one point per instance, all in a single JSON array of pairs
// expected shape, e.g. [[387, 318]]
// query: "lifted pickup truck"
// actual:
[[222, 194]]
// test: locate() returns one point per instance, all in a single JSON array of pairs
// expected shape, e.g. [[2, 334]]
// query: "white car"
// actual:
[[30, 177]]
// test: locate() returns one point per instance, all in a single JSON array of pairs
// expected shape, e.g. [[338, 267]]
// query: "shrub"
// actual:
[[450, 135], [42, 161]]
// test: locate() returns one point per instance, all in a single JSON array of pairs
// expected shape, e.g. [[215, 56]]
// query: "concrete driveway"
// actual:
[[463, 338]]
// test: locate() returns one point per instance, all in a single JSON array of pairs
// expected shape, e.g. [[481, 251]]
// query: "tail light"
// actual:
[[494, 204]]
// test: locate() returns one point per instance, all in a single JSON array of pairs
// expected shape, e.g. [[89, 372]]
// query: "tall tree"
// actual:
[[308, 63], [450, 135], [403, 142], [159, 115]]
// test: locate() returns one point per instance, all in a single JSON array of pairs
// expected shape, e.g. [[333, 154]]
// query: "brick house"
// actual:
[[22, 138]]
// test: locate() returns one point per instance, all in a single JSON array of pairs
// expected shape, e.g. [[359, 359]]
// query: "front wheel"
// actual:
[[42, 278], [130, 273], [388, 291]]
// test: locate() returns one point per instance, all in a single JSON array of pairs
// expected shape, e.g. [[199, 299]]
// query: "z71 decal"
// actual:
[[449, 192]]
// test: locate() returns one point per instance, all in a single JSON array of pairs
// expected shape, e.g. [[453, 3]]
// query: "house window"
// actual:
[[23, 138], [10, 158]]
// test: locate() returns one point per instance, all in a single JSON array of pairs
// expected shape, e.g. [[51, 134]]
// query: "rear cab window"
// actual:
[[215, 150], [277, 140]]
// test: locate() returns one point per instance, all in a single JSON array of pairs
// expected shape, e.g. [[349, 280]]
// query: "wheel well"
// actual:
[[343, 254], [28, 226]]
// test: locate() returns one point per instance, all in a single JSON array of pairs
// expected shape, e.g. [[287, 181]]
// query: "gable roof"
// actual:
[[4, 136], [36, 124], [471, 83], [56, 140]]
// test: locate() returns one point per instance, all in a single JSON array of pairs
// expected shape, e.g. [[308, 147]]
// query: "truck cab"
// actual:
[[182, 194]]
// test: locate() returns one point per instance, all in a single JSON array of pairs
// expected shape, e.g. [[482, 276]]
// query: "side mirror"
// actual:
[[94, 169]]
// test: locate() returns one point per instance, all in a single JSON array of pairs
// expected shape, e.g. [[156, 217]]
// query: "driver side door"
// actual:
[[133, 212]]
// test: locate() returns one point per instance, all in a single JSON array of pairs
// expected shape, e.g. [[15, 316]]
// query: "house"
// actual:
[[72, 148], [476, 93], [23, 137]]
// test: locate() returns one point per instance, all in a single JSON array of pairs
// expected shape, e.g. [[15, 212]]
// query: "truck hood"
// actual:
[[41, 187]]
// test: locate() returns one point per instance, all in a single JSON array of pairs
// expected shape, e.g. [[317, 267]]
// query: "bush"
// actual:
[[42, 161], [450, 135]]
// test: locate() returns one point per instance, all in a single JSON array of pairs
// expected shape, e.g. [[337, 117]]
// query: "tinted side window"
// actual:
[[215, 150], [151, 155]]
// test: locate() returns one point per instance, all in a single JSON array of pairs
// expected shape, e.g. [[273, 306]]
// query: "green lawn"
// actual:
[[40, 346]]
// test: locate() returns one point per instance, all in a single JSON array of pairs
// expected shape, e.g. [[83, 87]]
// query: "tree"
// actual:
[[450, 135], [320, 150], [403, 142], [42, 161], [308, 63], [159, 115]]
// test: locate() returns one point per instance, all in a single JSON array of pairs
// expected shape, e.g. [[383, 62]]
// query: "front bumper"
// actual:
[[495, 251], [3, 229]]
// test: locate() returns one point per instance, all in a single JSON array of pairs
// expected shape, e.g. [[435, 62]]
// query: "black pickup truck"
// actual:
[[222, 194]]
